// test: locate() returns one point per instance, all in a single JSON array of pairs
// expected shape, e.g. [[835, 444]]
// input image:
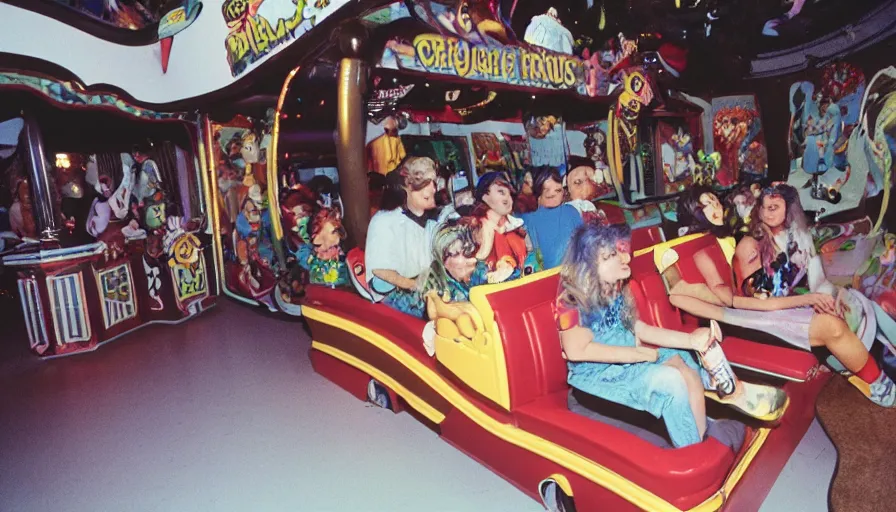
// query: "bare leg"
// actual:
[[695, 392], [833, 333]]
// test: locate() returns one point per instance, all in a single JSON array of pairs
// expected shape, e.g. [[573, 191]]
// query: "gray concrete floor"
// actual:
[[223, 413]]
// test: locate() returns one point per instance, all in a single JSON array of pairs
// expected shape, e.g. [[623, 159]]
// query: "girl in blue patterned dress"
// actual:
[[602, 338]]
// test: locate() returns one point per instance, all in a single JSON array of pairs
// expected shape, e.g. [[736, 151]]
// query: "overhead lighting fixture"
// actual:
[[62, 161]]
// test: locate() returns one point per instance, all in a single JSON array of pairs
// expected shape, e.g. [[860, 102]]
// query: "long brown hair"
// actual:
[[795, 224]]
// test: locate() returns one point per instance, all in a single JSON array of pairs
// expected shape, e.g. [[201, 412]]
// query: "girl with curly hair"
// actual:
[[602, 338]]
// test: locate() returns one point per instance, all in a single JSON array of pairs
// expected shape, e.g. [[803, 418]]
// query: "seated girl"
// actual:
[[602, 338], [399, 241], [771, 267], [551, 226], [323, 257]]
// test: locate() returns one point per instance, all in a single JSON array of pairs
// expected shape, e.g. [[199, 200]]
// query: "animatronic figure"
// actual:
[[553, 223], [603, 339], [323, 257], [503, 244], [399, 241], [546, 31], [454, 268], [385, 152], [769, 267], [585, 183]]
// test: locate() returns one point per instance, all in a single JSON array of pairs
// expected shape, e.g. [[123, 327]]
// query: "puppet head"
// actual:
[[495, 192], [581, 181], [548, 188], [454, 253], [327, 234], [249, 148], [417, 182], [700, 210]]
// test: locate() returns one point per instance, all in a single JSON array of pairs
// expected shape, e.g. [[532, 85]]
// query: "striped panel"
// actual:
[[34, 315], [114, 283], [69, 308]]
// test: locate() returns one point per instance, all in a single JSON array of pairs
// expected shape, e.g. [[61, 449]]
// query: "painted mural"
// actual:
[[258, 28], [739, 139], [67, 93], [250, 263], [823, 116], [133, 15]]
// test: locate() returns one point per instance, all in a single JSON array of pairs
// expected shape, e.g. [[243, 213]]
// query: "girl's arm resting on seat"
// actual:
[[579, 345]]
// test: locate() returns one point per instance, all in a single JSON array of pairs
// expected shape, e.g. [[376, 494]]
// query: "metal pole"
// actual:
[[350, 147], [45, 207]]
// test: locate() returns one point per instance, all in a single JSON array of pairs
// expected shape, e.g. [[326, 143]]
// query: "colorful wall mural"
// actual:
[[250, 264], [823, 116], [739, 139], [257, 28]]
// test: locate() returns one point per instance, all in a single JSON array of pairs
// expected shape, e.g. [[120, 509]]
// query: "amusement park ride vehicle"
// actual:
[[496, 389]]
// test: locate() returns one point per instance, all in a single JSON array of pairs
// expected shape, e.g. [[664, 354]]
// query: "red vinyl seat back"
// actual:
[[532, 350], [650, 294], [642, 238], [688, 267]]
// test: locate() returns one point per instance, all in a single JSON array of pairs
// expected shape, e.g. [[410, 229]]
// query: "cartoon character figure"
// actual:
[[256, 222], [546, 31], [385, 152], [503, 239], [678, 156], [323, 257]]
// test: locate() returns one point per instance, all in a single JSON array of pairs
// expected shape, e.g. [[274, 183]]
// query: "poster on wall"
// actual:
[[518, 151], [257, 29], [739, 138], [493, 151], [677, 156], [590, 141], [823, 117]]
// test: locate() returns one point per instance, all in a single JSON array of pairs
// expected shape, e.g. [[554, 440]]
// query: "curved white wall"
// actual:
[[198, 63]]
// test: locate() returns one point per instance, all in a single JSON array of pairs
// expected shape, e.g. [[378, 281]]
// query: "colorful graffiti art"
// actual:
[[260, 28], [739, 138], [68, 93], [117, 293], [823, 117]]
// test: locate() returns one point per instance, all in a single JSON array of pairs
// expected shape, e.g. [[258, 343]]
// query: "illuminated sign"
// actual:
[[513, 65]]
